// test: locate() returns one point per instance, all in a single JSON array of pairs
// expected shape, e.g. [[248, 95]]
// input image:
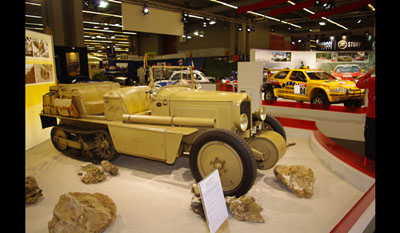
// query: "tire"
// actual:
[[269, 94], [320, 99], [353, 103], [275, 125], [229, 153]]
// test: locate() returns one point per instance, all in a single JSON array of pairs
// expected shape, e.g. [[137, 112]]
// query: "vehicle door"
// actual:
[[298, 85], [280, 80]]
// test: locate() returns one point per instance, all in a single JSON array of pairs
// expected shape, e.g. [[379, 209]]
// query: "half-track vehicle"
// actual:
[[217, 130]]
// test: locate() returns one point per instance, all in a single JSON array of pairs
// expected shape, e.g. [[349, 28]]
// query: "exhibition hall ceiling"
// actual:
[[295, 17]]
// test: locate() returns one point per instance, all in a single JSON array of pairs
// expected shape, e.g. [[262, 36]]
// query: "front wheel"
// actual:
[[320, 99], [226, 151], [269, 94]]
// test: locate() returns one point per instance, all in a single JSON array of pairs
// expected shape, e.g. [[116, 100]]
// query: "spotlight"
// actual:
[[248, 29], [145, 9], [103, 3], [359, 21], [240, 28], [212, 22], [184, 18]]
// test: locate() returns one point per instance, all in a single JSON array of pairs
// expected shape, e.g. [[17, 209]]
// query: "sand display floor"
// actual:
[[155, 197]]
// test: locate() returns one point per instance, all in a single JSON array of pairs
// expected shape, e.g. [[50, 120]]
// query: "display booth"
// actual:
[[39, 76], [344, 64]]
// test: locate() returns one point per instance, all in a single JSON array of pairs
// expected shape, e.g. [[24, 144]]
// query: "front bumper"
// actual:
[[350, 94]]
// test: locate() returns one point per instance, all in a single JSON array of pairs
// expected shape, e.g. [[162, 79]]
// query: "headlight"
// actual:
[[244, 121], [339, 89], [263, 113]]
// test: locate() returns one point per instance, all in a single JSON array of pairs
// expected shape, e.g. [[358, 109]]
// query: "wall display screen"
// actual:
[[73, 65], [156, 21]]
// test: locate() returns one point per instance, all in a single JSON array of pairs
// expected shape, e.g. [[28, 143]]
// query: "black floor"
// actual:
[[355, 146]]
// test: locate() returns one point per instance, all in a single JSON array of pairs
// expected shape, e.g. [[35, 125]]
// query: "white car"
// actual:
[[183, 77]]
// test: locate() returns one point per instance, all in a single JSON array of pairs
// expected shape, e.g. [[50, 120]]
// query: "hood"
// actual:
[[336, 83]]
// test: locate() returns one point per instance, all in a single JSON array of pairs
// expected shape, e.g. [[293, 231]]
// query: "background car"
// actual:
[[183, 76], [311, 85], [347, 72]]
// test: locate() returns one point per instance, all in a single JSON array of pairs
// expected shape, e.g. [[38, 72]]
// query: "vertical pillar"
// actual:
[[232, 39], [65, 19], [242, 40]]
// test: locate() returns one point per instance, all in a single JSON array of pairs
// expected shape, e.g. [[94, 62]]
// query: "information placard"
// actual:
[[213, 201]]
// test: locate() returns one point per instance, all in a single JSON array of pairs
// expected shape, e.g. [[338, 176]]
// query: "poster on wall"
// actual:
[[281, 56], [359, 56], [39, 61]]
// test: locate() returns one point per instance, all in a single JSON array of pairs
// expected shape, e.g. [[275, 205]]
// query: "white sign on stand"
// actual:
[[212, 198]]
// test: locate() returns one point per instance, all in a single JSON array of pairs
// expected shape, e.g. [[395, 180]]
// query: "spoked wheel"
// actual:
[[229, 153], [57, 134], [103, 147]]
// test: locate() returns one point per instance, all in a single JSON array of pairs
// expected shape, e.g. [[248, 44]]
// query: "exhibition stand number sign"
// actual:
[[213, 201]]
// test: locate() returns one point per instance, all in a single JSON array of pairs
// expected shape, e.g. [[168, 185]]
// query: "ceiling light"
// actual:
[[359, 21], [322, 23], [103, 4], [333, 22], [145, 9], [196, 33], [240, 28], [371, 7], [307, 10], [196, 17], [99, 13], [212, 22], [225, 4]]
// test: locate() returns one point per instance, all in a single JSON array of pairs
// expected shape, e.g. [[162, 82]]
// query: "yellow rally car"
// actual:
[[315, 86]]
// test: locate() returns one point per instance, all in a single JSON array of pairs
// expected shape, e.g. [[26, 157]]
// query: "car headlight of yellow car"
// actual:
[[338, 89], [244, 121]]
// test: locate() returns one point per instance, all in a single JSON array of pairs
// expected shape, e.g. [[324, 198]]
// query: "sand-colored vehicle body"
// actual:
[[218, 130]]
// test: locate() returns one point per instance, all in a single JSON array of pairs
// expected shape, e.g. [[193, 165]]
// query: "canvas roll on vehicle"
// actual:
[[217, 130]]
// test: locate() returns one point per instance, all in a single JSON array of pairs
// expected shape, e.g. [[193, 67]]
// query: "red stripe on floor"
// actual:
[[348, 221]]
